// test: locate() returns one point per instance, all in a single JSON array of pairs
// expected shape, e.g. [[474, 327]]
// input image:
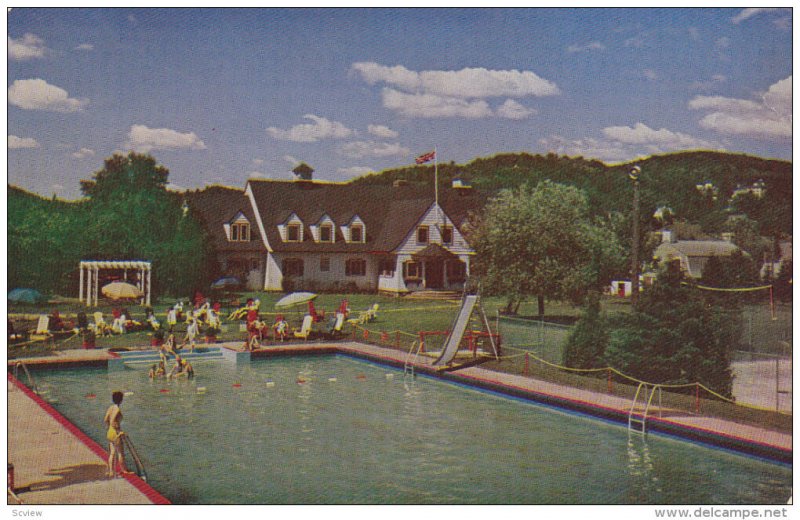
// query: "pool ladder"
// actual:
[[31, 380], [409, 364], [140, 472], [647, 392]]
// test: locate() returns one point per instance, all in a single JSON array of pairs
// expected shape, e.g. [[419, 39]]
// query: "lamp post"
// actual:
[[634, 176]]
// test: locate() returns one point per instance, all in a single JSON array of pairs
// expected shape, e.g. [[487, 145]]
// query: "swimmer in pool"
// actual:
[[113, 420]]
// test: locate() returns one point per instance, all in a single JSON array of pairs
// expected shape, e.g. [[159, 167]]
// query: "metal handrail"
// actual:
[[409, 366], [135, 455], [31, 380]]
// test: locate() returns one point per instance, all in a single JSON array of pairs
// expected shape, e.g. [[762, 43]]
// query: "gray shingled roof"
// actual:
[[218, 205], [389, 213]]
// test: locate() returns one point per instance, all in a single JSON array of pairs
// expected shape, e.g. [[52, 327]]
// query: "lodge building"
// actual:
[[315, 235]]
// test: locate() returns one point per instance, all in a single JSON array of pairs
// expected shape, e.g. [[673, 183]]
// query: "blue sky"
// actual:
[[218, 96]]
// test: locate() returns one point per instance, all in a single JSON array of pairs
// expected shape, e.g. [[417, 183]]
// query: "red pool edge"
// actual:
[[154, 496]]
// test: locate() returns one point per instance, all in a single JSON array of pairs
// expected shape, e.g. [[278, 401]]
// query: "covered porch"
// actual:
[[432, 268]]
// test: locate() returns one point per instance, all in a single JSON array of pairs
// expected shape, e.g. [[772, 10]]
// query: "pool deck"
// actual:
[[59, 464], [55, 463]]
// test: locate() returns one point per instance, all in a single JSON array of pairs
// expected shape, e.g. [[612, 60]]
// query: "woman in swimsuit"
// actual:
[[113, 420]]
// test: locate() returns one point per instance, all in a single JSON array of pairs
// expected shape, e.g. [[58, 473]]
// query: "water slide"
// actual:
[[457, 331]]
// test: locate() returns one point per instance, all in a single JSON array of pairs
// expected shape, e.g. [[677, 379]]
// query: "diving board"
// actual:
[[457, 331]]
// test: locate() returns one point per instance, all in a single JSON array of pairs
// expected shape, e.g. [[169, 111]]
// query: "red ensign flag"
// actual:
[[426, 157]]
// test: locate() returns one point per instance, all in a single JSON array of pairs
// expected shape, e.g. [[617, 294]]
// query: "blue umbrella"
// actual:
[[22, 295], [226, 282]]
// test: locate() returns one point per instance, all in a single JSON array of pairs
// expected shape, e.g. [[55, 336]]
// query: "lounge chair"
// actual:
[[305, 330], [101, 328], [337, 325], [42, 330], [369, 315]]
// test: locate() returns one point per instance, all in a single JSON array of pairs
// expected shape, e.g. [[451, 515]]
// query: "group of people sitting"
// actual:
[[179, 369]]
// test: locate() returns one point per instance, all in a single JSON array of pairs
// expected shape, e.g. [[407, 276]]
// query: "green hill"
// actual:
[[667, 180]]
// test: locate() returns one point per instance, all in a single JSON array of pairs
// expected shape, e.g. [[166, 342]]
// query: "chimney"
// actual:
[[303, 172], [667, 236]]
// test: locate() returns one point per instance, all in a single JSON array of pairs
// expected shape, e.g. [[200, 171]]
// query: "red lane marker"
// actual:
[[90, 396], [237, 385], [164, 390]]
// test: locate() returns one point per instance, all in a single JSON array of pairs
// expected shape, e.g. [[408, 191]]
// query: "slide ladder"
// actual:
[[409, 364], [457, 330], [140, 472], [647, 395]]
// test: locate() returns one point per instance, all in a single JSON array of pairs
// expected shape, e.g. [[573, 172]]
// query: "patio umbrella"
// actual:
[[121, 291], [23, 295], [226, 283], [297, 298]]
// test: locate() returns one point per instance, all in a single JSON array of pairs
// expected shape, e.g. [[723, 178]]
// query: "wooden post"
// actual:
[[526, 371], [397, 338], [80, 285], [610, 383], [697, 398]]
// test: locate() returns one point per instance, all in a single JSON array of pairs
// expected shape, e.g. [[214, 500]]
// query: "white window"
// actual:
[[240, 232], [356, 233], [326, 233], [355, 267], [293, 233]]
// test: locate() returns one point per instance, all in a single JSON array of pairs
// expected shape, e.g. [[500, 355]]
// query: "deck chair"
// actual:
[[101, 328], [369, 315], [305, 330], [337, 325], [42, 331]]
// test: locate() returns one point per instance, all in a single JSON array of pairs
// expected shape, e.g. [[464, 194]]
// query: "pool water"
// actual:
[[335, 430]]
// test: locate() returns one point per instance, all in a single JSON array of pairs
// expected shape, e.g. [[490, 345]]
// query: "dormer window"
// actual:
[[356, 233], [293, 233], [326, 233], [240, 232], [238, 229]]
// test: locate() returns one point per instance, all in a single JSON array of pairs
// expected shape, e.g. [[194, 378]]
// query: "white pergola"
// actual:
[[89, 284]]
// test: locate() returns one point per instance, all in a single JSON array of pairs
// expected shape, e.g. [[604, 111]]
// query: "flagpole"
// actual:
[[436, 176]]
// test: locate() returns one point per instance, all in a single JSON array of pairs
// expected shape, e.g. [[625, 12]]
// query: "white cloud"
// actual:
[[359, 149], [15, 142], [291, 160], [623, 143], [320, 128], [355, 171], [590, 148], [464, 83], [382, 131], [257, 175], [28, 47], [85, 47], [510, 109], [144, 139], [83, 153], [650, 74], [37, 94], [454, 93], [750, 12], [593, 46], [431, 106], [663, 139], [770, 117]]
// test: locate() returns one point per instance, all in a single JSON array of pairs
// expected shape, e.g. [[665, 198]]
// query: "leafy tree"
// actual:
[[588, 340], [783, 282], [541, 242], [134, 216], [674, 337]]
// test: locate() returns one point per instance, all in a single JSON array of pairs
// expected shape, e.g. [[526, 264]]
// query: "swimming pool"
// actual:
[[336, 430]]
